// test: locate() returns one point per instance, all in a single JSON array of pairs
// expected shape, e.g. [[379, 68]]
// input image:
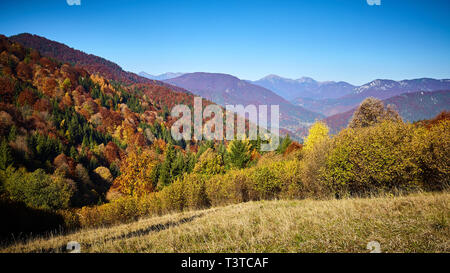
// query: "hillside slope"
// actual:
[[91, 63], [414, 223]]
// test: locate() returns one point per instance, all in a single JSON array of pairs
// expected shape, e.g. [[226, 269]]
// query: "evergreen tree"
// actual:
[[165, 175], [239, 153], [284, 144]]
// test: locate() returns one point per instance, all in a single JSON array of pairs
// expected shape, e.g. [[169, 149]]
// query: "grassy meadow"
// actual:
[[414, 223]]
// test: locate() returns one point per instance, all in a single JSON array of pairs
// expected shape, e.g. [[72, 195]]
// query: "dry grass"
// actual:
[[414, 223]]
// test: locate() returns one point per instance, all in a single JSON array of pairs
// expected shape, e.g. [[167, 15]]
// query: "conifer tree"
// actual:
[[239, 153]]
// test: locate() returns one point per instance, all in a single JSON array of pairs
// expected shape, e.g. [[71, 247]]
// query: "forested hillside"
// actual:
[[71, 138]]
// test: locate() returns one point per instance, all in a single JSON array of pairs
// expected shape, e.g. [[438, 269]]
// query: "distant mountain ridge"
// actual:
[[411, 107], [304, 87], [161, 77], [381, 89]]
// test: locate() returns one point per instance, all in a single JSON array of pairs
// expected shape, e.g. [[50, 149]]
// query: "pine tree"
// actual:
[[284, 144], [239, 153], [165, 175]]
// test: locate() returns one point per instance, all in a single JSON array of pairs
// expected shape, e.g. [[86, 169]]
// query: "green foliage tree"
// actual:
[[5, 155], [38, 189], [43, 147], [165, 174], [284, 144]]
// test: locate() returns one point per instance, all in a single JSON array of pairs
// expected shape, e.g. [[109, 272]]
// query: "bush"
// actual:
[[432, 153], [373, 159], [265, 182], [195, 191], [209, 163], [312, 168], [39, 190], [229, 188], [172, 197]]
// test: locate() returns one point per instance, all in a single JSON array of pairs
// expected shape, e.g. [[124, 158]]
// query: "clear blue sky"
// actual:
[[327, 39]]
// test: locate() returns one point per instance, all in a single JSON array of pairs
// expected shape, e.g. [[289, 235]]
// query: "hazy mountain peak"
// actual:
[[161, 77], [306, 80], [272, 77]]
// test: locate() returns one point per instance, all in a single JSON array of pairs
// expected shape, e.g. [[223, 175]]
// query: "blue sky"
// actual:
[[327, 39]]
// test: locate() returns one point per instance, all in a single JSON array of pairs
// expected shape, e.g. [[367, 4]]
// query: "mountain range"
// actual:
[[381, 89], [304, 87], [226, 89]]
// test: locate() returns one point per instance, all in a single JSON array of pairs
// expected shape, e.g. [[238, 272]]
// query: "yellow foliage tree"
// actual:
[[318, 132]]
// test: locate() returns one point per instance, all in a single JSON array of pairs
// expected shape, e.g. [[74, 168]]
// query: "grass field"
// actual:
[[414, 223]]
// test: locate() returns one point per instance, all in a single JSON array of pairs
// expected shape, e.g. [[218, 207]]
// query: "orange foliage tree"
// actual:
[[136, 173]]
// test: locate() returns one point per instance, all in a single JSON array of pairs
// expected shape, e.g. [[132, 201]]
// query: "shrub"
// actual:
[[373, 159], [432, 153], [39, 190], [228, 188], [265, 182], [312, 166], [172, 197], [195, 191], [209, 163]]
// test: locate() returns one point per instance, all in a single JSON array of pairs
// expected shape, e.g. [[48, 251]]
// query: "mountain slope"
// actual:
[[226, 89], [304, 87], [411, 107], [91, 63]]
